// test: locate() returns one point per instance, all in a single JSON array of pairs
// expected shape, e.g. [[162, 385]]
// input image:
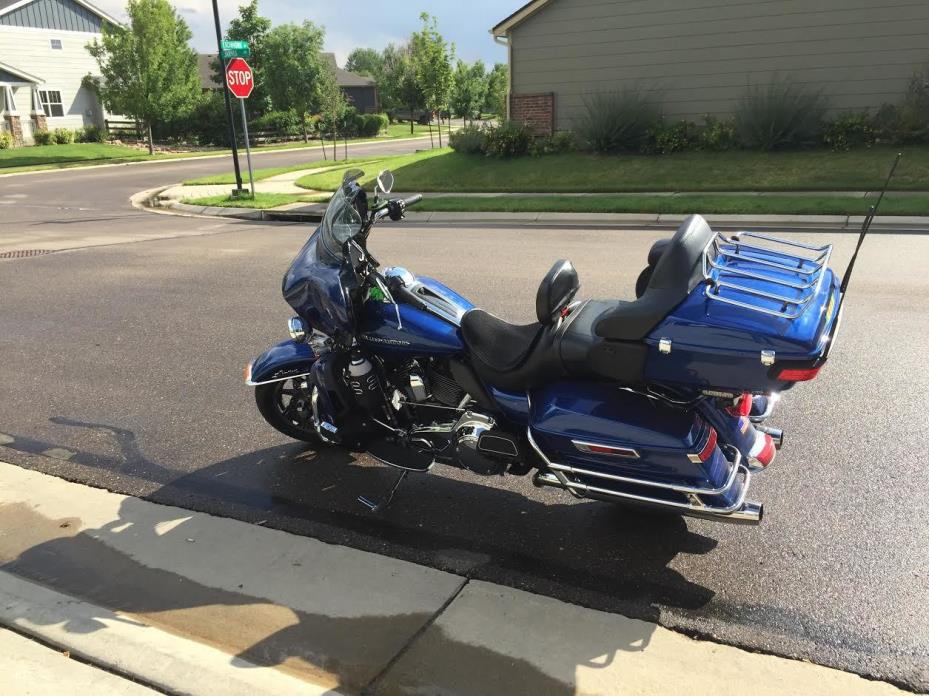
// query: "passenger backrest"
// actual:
[[556, 291], [681, 264]]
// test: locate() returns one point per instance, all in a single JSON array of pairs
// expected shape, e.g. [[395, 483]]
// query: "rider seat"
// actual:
[[500, 351]]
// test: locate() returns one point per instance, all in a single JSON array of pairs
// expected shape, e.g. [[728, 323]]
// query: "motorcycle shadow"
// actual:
[[502, 530]]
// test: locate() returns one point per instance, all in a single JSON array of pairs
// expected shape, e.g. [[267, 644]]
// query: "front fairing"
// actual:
[[319, 287]]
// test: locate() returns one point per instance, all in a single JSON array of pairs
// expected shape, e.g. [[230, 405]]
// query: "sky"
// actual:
[[362, 23]]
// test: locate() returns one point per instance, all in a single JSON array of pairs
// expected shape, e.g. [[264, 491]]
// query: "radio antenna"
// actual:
[[866, 225]]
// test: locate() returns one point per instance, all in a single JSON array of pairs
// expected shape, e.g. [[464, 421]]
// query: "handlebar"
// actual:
[[394, 209]]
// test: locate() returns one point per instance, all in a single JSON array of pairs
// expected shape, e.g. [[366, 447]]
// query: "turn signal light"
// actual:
[[788, 374]]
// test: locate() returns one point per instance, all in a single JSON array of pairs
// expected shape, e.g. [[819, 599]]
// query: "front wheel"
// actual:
[[287, 406]]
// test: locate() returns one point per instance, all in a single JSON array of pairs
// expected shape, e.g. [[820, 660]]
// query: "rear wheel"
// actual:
[[287, 406]]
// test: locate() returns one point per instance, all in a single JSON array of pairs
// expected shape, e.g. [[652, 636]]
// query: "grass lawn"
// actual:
[[684, 204], [77, 154], [819, 170], [260, 202]]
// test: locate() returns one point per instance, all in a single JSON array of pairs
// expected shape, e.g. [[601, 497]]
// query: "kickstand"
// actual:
[[383, 504]]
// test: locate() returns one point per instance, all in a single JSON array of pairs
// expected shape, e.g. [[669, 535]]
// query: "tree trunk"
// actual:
[[306, 136], [440, 129], [151, 143], [322, 143], [411, 118], [335, 143]]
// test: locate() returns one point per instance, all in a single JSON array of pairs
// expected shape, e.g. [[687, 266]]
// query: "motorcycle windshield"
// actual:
[[342, 221]]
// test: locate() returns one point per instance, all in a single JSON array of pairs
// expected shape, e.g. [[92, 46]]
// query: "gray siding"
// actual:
[[699, 55], [10, 77], [63, 15]]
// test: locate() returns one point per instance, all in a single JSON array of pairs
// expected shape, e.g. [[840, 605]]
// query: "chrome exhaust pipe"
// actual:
[[776, 434]]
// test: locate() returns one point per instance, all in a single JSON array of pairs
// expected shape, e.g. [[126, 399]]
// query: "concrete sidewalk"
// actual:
[[189, 603]]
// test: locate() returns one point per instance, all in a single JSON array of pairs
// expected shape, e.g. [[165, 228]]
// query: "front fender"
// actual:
[[285, 360]]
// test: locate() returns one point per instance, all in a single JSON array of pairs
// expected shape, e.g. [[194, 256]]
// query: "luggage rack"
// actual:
[[730, 264]]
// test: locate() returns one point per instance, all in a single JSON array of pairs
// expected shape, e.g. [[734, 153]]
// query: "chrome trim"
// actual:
[[767, 357], [664, 346], [278, 379], [736, 462], [772, 400], [562, 479], [297, 329], [740, 510], [626, 452]]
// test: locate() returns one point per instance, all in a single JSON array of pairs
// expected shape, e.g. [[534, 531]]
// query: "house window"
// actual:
[[56, 44], [51, 103]]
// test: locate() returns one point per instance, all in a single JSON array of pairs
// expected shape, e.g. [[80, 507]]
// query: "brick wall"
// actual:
[[15, 127], [535, 110]]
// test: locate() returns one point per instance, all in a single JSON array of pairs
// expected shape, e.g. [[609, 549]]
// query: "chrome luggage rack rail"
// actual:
[[796, 269]]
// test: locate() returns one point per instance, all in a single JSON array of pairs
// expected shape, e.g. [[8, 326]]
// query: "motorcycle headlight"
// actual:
[[297, 329]]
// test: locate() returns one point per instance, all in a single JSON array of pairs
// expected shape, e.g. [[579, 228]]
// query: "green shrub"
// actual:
[[43, 137], [914, 111], [6, 140], [469, 140], [780, 115], [372, 124], [63, 136], [509, 139], [717, 135], [281, 122], [663, 139], [556, 144], [617, 121], [90, 134], [848, 131]]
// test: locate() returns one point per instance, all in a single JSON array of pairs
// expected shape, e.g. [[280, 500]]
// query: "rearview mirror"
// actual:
[[385, 181]]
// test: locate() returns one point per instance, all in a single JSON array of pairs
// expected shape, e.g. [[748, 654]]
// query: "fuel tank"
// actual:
[[400, 329]]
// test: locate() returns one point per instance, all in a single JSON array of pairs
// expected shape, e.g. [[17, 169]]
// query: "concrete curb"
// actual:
[[886, 223]]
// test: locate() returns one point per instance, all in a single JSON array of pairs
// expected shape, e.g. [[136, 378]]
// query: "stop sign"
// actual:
[[239, 78]]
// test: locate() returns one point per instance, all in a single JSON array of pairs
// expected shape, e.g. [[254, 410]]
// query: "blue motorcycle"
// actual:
[[660, 401]]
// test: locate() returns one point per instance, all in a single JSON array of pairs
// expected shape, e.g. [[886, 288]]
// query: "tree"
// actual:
[[295, 70], [497, 86], [252, 27], [149, 71], [469, 89], [398, 86], [432, 58], [333, 105], [365, 61]]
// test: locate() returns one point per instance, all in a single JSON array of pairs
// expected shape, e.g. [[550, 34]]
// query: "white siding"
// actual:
[[62, 70], [701, 54]]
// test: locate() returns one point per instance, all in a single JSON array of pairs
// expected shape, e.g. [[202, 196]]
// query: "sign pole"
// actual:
[[235, 147], [248, 148]]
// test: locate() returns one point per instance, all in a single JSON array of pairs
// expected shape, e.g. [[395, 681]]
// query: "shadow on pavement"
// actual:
[[620, 553]]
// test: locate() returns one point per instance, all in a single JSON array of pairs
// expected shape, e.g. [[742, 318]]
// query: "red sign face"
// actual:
[[239, 78]]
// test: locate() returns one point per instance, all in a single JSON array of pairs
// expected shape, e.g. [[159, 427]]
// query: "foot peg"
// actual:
[[385, 503]]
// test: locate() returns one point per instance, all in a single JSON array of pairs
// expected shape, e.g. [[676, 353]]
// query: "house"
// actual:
[[700, 57], [361, 91], [43, 61]]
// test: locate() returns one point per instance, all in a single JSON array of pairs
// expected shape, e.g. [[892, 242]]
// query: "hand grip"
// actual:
[[412, 200]]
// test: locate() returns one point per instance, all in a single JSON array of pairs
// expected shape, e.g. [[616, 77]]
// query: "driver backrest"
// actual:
[[556, 291]]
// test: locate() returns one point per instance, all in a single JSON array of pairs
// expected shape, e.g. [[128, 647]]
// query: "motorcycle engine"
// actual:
[[480, 447]]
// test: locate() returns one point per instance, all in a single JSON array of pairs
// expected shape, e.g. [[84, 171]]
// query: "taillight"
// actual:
[[707, 450], [741, 407], [789, 374]]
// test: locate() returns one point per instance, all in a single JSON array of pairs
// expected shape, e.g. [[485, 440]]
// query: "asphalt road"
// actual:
[[123, 363]]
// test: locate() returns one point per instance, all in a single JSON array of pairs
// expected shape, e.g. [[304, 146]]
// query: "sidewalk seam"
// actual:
[[371, 685], [80, 657]]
